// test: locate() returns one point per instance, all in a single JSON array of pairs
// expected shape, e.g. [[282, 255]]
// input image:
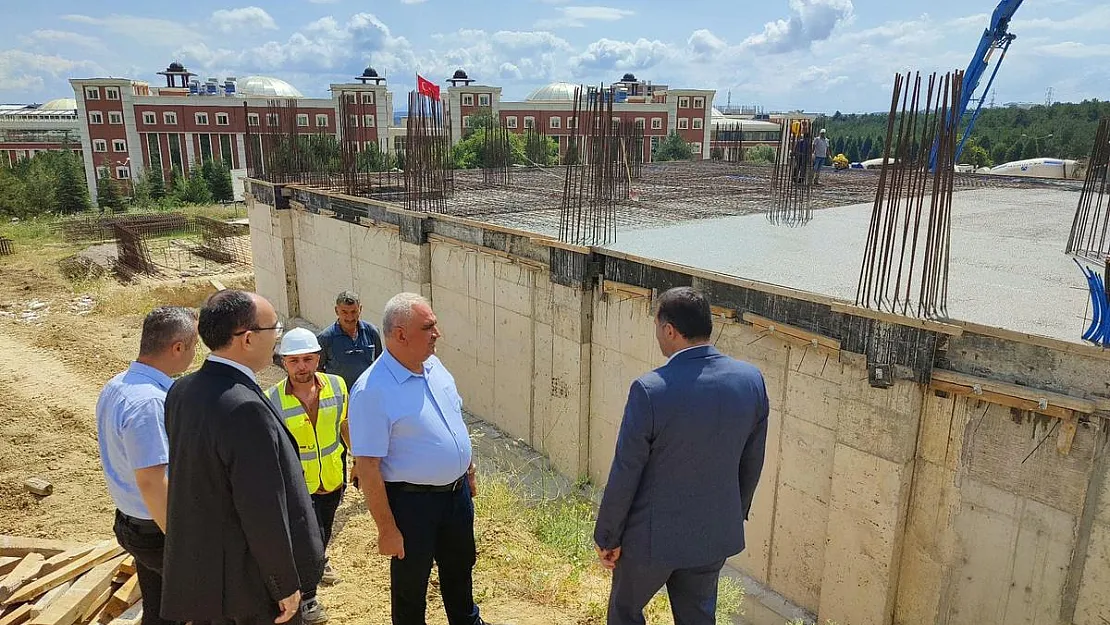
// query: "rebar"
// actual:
[[1091, 226], [429, 181], [791, 176], [600, 174], [496, 156]]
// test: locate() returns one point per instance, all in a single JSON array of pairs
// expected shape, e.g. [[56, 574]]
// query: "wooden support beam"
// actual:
[[20, 546], [721, 311], [97, 606], [793, 334], [127, 596], [49, 598], [7, 564], [64, 558], [26, 570], [73, 604], [1067, 434], [18, 615], [1037, 400], [104, 552]]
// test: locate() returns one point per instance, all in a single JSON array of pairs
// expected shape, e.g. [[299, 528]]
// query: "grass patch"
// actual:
[[30, 231]]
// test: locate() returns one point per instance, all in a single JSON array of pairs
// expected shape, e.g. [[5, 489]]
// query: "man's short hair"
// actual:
[[225, 313], [688, 311], [398, 310], [347, 298], [165, 326]]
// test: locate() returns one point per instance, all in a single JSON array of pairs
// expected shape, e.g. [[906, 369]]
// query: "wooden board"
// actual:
[[133, 616], [805, 336], [25, 571], [1028, 394], [17, 616], [20, 546], [97, 606], [64, 558], [78, 599], [127, 596], [128, 566], [7, 563], [104, 552], [49, 598]]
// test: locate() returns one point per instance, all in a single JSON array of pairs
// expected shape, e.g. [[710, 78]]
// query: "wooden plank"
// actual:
[[38, 486], [782, 328], [1067, 434], [77, 600], [124, 598], [620, 288], [128, 566], [902, 320], [20, 546], [720, 311], [133, 616], [106, 551], [49, 598], [1034, 395], [1001, 399], [64, 558], [216, 284], [26, 570], [7, 564], [97, 606], [17, 616]]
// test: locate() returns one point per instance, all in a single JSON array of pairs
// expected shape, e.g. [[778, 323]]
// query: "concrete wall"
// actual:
[[877, 505]]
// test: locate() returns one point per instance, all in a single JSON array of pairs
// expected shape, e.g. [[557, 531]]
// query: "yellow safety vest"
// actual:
[[321, 448]]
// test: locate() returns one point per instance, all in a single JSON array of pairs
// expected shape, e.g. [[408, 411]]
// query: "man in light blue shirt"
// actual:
[[414, 463], [131, 432]]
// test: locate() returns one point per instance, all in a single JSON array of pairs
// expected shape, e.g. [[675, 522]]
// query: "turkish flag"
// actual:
[[426, 87]]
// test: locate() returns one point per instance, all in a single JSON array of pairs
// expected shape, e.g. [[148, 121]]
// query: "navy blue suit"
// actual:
[[688, 458]]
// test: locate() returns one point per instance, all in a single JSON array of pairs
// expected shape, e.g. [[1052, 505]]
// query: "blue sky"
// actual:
[[816, 55]]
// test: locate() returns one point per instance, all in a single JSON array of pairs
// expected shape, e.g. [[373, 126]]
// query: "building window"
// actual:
[[222, 119], [697, 123], [640, 122], [529, 122], [321, 121], [555, 122], [119, 145], [510, 122], [271, 119], [684, 103], [100, 145], [115, 118], [368, 121], [352, 121], [656, 123], [683, 123], [483, 99], [468, 99], [699, 103], [123, 173], [368, 97], [169, 118], [466, 121], [111, 93], [96, 117], [92, 93], [202, 119], [150, 118], [252, 119], [302, 120], [352, 98]]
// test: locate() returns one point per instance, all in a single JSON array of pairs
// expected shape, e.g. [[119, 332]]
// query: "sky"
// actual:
[[812, 55]]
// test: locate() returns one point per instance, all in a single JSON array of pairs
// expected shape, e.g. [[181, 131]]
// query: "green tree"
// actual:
[[672, 148], [71, 193], [1031, 150], [475, 151], [107, 193], [865, 149], [1016, 151], [218, 178], [11, 194], [762, 154], [851, 150], [194, 188], [540, 150], [372, 159], [155, 183]]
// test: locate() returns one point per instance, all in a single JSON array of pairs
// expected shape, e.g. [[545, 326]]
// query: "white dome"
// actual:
[[266, 86], [555, 92], [60, 104]]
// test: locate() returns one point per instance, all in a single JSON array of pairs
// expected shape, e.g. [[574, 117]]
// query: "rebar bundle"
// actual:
[[790, 178], [428, 174], [729, 142], [905, 260], [497, 156], [132, 253], [1091, 226], [598, 176]]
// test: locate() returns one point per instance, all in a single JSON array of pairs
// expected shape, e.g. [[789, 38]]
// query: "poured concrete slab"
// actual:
[[1008, 267]]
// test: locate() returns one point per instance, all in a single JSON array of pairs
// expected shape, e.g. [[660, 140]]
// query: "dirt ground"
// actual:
[[60, 342]]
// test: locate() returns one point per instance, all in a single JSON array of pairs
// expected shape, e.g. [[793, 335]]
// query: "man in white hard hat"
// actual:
[[314, 408], [820, 153]]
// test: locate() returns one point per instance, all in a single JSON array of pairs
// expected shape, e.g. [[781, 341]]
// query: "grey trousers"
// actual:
[[692, 591]]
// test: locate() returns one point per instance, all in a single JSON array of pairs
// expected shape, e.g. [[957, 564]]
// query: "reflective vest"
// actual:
[[321, 448]]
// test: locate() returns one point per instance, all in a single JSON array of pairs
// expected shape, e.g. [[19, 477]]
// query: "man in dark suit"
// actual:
[[241, 536], [688, 458]]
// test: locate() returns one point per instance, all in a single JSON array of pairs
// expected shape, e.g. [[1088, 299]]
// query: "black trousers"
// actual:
[[436, 527], [146, 543], [692, 592], [325, 506]]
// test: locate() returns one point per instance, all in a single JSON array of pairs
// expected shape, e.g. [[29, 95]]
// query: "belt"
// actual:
[[145, 526], [428, 488]]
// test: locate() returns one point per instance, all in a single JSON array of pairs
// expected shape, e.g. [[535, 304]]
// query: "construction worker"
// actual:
[[314, 408], [350, 345]]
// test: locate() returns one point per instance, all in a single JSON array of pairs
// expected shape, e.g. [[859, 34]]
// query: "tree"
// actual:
[[851, 150], [672, 148], [999, 152], [218, 178], [838, 145], [865, 149], [761, 154], [1016, 151], [1030, 150], [194, 189], [71, 193], [372, 159], [107, 194], [155, 183], [540, 150]]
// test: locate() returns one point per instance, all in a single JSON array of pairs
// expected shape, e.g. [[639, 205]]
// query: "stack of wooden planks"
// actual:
[[55, 582]]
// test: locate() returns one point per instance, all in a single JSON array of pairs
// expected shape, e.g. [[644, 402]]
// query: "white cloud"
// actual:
[[26, 71], [146, 30], [809, 21], [1074, 50], [244, 19], [323, 1], [607, 54], [577, 16], [62, 37], [413, 1], [1094, 19], [704, 44]]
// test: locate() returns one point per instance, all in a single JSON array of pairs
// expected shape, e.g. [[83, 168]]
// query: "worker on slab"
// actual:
[[134, 453], [314, 408], [820, 153], [350, 345]]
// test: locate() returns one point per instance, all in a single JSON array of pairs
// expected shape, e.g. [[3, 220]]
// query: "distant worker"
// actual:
[[131, 432], [801, 156], [414, 462], [314, 408], [349, 345], [820, 153], [242, 538], [688, 458]]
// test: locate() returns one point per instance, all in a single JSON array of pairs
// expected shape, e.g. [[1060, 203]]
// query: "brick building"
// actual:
[[26, 130]]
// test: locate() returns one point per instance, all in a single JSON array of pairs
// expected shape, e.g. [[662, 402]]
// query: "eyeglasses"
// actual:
[[278, 330]]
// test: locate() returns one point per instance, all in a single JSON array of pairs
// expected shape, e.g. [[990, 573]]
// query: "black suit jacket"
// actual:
[[241, 531]]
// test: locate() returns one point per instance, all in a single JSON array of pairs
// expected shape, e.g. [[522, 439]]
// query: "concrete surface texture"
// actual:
[[1008, 267], [876, 506]]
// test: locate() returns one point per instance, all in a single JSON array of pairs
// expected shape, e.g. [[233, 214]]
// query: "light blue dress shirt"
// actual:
[[412, 422], [131, 431]]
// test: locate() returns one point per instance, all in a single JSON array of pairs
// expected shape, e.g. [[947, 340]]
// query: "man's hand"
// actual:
[[608, 557], [472, 480], [289, 607], [391, 543]]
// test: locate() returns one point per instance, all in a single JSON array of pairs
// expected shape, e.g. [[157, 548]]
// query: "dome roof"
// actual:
[[266, 86], [628, 78], [60, 104], [369, 72], [555, 92], [459, 75], [175, 67]]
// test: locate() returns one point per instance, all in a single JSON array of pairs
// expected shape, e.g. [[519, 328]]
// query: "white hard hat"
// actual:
[[298, 341]]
